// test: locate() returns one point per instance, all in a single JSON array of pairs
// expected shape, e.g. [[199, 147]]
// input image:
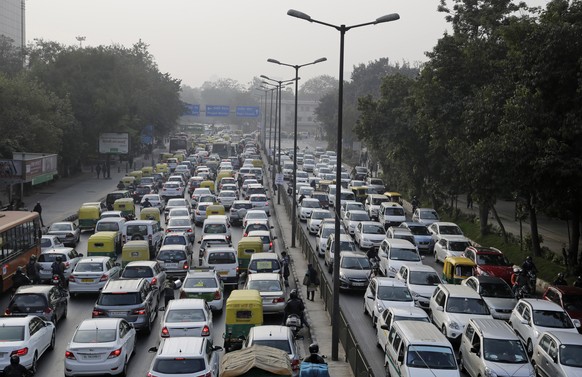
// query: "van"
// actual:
[[264, 262], [418, 349], [224, 260], [391, 214], [216, 224], [394, 253], [491, 345]]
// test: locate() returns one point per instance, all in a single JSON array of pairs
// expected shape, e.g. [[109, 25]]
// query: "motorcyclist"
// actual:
[[58, 268], [19, 279], [414, 203], [120, 185], [295, 306], [578, 282], [560, 279], [15, 369], [314, 357], [518, 279], [146, 203], [33, 269], [528, 265]]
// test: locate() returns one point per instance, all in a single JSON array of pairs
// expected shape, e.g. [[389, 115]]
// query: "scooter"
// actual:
[[295, 324]]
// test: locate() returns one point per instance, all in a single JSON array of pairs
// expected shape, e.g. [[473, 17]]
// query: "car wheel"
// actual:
[[329, 268], [148, 329], [65, 311], [124, 371], [444, 330], [529, 347], [365, 309], [387, 369], [53, 340], [461, 363], [34, 362], [374, 320]]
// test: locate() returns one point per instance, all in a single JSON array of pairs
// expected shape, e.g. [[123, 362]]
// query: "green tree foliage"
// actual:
[[313, 89], [11, 57]]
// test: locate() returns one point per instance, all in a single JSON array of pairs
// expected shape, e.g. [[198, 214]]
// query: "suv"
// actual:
[[46, 301], [146, 230], [185, 356], [490, 262], [134, 300]]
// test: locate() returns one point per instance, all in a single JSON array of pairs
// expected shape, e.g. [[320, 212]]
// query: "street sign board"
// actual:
[[114, 143], [279, 179], [217, 111], [247, 111], [190, 109]]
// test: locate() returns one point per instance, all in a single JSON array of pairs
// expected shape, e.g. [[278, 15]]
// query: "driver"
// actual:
[[295, 306]]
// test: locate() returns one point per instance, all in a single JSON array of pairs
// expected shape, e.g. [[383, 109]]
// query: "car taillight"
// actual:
[[270, 245], [69, 355], [278, 299], [67, 264], [245, 234], [154, 280], [165, 332], [168, 230], [189, 230], [72, 278], [205, 330], [217, 295], [150, 374], [114, 354], [97, 313], [48, 310], [20, 352], [104, 277], [7, 312], [140, 311], [295, 364], [185, 267]]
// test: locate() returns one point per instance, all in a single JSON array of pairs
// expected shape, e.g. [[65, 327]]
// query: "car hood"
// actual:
[[571, 371], [425, 372], [354, 274], [503, 272], [500, 303], [423, 290], [373, 237], [463, 319], [510, 369]]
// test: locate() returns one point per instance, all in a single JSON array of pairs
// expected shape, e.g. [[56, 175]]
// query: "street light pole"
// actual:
[[264, 128], [336, 257], [294, 210]]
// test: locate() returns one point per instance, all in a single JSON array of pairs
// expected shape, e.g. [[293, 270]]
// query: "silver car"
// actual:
[[271, 289], [92, 273], [558, 354], [496, 293], [354, 271]]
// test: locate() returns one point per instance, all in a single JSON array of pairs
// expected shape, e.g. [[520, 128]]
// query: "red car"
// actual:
[[569, 298], [490, 262]]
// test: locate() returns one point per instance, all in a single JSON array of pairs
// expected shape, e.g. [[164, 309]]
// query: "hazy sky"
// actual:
[[202, 40]]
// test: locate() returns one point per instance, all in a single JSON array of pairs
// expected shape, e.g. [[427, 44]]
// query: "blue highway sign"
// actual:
[[247, 111], [191, 109], [217, 111]]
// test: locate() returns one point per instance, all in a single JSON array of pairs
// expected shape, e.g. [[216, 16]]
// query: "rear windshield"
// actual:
[[51, 257], [281, 344], [89, 267], [390, 211], [185, 315], [107, 227], [175, 240], [45, 242], [133, 272], [252, 227], [172, 255], [95, 336], [11, 333], [265, 285], [221, 258], [137, 229], [28, 302], [268, 265], [119, 299], [201, 282], [179, 365], [215, 229]]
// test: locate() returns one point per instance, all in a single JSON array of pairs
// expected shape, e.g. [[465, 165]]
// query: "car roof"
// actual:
[[397, 242], [444, 223], [34, 289], [419, 267], [355, 254], [264, 276], [146, 263], [565, 337], [414, 311], [494, 328], [16, 320], [99, 323], [181, 347], [271, 332], [128, 285], [539, 304], [389, 282], [459, 291], [187, 303], [93, 259], [258, 233], [58, 250], [264, 256]]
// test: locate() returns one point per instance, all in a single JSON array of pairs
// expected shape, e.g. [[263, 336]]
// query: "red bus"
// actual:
[[20, 234]]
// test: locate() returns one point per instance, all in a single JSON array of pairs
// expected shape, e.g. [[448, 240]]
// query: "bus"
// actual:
[[222, 148], [178, 143], [20, 234]]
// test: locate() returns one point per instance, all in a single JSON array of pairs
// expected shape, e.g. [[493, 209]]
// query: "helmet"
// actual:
[[33, 257], [517, 270], [59, 259], [293, 294], [313, 348], [146, 199], [14, 360], [528, 258]]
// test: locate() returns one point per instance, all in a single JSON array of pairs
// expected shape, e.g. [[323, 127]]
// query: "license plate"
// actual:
[[91, 357], [117, 314], [171, 265], [358, 284], [222, 273], [86, 280]]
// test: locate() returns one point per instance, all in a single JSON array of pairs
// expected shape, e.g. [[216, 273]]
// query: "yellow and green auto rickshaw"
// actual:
[[137, 174], [135, 251], [150, 213], [208, 185], [162, 168], [126, 206], [361, 193], [394, 196], [244, 310], [179, 156], [88, 216], [147, 171], [102, 244], [128, 181], [247, 246], [164, 156], [215, 209], [456, 269], [323, 185]]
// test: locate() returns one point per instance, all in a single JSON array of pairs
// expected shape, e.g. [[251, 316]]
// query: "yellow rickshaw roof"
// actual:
[[102, 236], [150, 209], [460, 260], [136, 244], [128, 178], [123, 200], [250, 240], [244, 295], [392, 193]]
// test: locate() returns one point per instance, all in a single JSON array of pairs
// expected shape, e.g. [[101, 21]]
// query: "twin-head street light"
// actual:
[[264, 128], [275, 88], [294, 213], [336, 257]]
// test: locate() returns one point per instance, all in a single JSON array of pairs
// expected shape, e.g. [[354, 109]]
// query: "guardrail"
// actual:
[[354, 355]]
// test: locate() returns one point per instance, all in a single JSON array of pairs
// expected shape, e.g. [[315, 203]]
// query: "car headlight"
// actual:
[[454, 325], [489, 372]]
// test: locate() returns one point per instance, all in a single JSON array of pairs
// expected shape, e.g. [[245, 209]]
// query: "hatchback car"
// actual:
[[422, 236], [69, 256], [325, 230], [67, 232], [490, 262], [354, 271], [134, 300], [280, 337], [383, 293], [227, 198], [450, 246], [558, 354], [155, 200], [353, 218], [260, 201], [92, 273], [317, 216], [369, 234], [496, 292], [187, 317], [425, 216], [271, 289], [175, 260], [254, 216], [307, 206], [149, 270], [100, 346], [174, 203], [225, 261], [178, 212], [238, 211], [204, 283], [422, 280], [181, 224], [28, 337], [172, 190], [49, 242], [200, 212], [185, 356], [177, 238], [46, 301]]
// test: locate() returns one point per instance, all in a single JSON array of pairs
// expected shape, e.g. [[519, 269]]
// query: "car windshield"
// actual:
[[179, 212], [89, 267], [394, 294], [171, 255], [215, 229], [359, 217], [267, 265], [11, 333], [450, 229], [391, 211], [465, 305], [493, 259], [504, 351], [458, 245], [347, 196], [552, 318], [352, 206], [185, 315], [347, 246], [95, 336], [45, 242], [258, 198], [51, 257], [429, 215], [60, 227], [373, 229], [311, 204], [227, 194], [355, 263], [265, 285], [259, 226], [571, 355], [179, 222], [221, 258], [321, 215], [419, 230], [424, 278], [409, 255], [107, 227], [257, 215], [174, 240], [200, 282], [500, 290], [431, 357], [418, 319], [133, 272], [180, 202], [282, 344], [119, 299], [178, 365], [572, 302], [378, 201]]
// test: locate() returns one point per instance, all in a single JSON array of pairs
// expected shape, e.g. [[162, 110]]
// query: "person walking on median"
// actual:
[[311, 280], [98, 170], [38, 209]]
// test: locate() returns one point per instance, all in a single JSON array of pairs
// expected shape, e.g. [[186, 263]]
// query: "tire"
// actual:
[[387, 370], [365, 310], [529, 347], [53, 341], [461, 363], [329, 268], [124, 371], [374, 321], [34, 363], [137, 237], [148, 329], [65, 312]]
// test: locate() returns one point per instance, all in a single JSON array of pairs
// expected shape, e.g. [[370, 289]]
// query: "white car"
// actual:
[[100, 346], [182, 224], [369, 234], [92, 273], [302, 176], [450, 246], [50, 242], [353, 218], [531, 317], [189, 356], [255, 215], [326, 228], [272, 290], [187, 317], [204, 284], [425, 216], [307, 206], [198, 192], [391, 315], [178, 212], [350, 205], [226, 198], [383, 293], [69, 256], [155, 200], [172, 190], [305, 191], [280, 337], [441, 228], [558, 354], [496, 292], [317, 216], [28, 337], [422, 280], [260, 201]]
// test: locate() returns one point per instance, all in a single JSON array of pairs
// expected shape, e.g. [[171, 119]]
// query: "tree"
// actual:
[[11, 57], [315, 88]]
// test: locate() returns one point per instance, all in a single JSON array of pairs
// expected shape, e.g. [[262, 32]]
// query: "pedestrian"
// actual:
[[311, 280], [15, 369], [469, 200], [285, 271], [33, 270], [131, 162], [107, 170], [38, 209], [98, 170]]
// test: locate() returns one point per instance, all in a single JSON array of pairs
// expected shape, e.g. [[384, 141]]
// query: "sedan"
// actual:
[[28, 337], [307, 206], [450, 246], [49, 242], [149, 270], [155, 200], [178, 212], [181, 224], [317, 216], [325, 230], [91, 274], [369, 234], [421, 234], [187, 317], [353, 218], [354, 270], [260, 201], [226, 198], [496, 293], [271, 289], [100, 346], [67, 231]]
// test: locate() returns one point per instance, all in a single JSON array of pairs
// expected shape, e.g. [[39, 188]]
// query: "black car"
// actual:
[[46, 301]]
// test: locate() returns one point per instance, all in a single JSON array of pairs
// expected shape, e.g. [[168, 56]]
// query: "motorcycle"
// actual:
[[374, 267], [295, 324]]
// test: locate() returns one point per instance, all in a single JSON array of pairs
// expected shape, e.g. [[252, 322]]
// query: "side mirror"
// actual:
[[177, 284], [153, 349], [274, 237], [474, 350], [422, 257], [576, 322], [440, 308], [385, 327], [370, 297], [217, 348]]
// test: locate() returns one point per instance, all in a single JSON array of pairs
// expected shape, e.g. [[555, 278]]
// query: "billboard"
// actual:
[[114, 143]]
